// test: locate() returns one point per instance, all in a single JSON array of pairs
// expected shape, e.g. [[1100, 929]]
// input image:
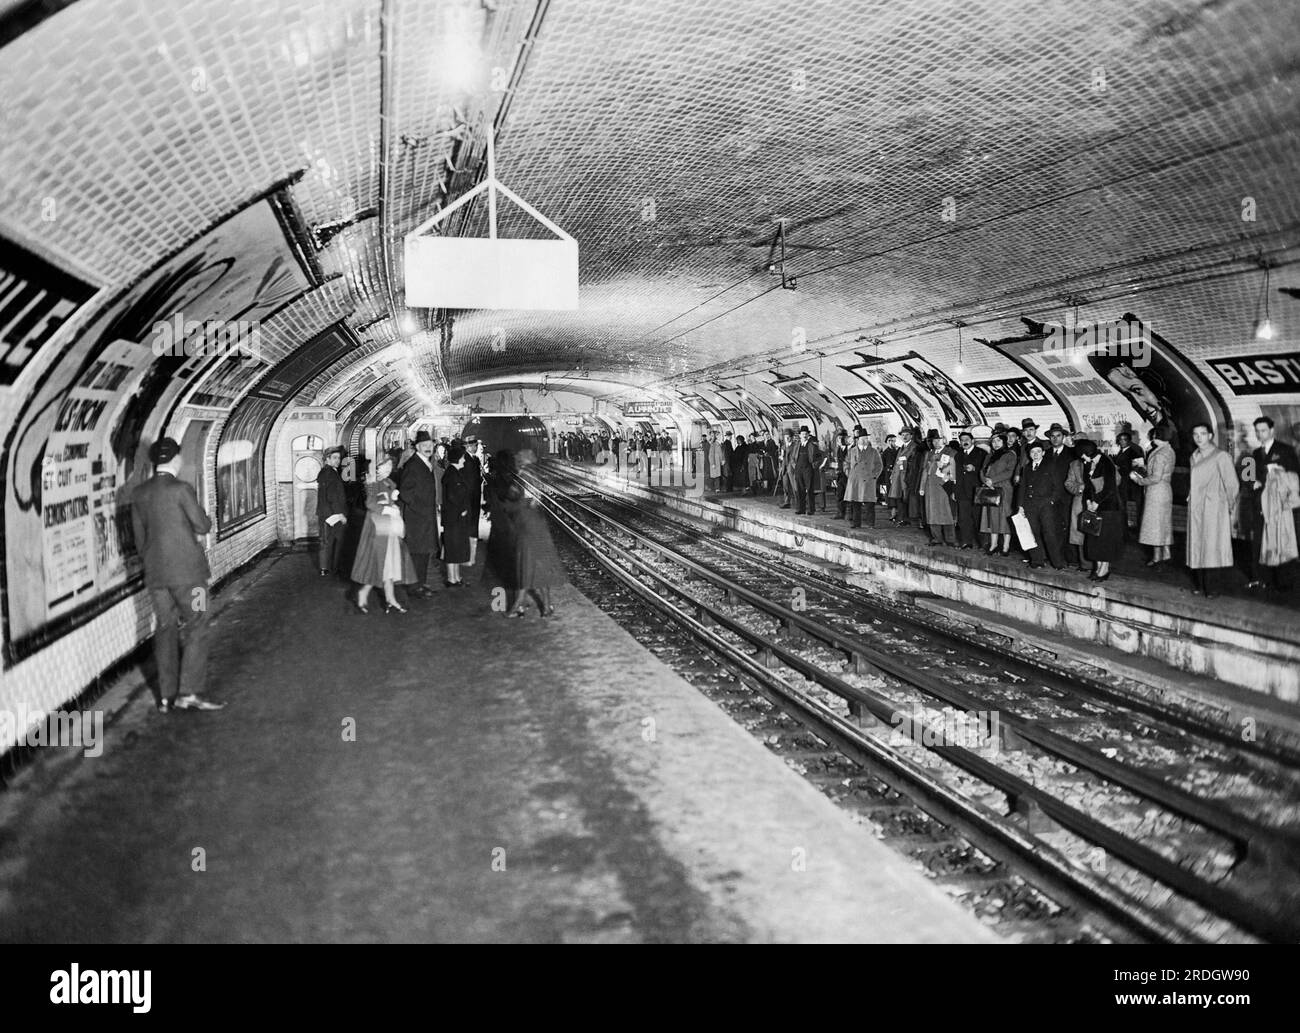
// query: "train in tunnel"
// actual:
[[516, 433]]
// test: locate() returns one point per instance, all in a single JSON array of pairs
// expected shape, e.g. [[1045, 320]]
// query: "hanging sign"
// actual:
[[488, 273]]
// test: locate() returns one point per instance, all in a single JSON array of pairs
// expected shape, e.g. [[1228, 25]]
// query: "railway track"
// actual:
[[1157, 822]]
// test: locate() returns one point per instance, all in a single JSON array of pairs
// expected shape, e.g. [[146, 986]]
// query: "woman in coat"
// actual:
[[1210, 504], [1074, 485], [938, 470], [521, 548], [900, 479], [713, 462], [1101, 496], [1158, 506], [382, 556], [864, 465], [999, 469], [457, 514]]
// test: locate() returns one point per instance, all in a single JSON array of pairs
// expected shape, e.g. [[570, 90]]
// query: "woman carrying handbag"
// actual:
[[1101, 520], [994, 498], [382, 556]]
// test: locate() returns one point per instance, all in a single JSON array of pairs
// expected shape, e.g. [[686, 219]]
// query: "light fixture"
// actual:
[[961, 368], [1264, 327], [408, 324]]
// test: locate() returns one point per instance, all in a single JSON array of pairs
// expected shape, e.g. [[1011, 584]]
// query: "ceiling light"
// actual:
[[1264, 329], [408, 324], [1263, 325]]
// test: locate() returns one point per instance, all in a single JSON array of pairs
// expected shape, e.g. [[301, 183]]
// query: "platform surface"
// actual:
[[502, 787]]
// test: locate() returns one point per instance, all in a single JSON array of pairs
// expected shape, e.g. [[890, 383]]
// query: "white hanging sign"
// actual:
[[487, 272]]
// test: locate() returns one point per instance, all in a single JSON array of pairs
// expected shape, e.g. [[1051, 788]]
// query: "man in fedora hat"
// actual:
[[331, 510], [167, 520], [419, 494], [807, 459]]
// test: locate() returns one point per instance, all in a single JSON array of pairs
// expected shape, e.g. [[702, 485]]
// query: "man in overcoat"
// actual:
[[331, 510], [420, 497]]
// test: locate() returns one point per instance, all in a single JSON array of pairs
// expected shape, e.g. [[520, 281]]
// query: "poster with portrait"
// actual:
[[111, 388], [829, 412], [1140, 381]]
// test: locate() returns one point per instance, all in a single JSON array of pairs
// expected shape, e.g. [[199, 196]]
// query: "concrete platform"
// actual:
[[1243, 641], [509, 781]]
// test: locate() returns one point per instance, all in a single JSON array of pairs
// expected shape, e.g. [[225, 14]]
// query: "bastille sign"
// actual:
[[478, 272]]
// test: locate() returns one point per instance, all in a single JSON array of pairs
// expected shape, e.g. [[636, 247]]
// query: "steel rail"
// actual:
[[1217, 897]]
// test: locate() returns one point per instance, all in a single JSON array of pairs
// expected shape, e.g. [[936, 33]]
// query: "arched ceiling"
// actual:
[[936, 162]]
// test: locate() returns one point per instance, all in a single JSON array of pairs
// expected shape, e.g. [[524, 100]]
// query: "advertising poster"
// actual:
[[922, 394], [36, 298], [109, 392], [827, 414], [1138, 380]]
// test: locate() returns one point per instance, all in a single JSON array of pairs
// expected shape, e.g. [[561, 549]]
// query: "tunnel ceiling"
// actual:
[[935, 162]]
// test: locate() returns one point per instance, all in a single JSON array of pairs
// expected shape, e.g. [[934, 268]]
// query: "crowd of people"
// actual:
[[431, 501], [1065, 500]]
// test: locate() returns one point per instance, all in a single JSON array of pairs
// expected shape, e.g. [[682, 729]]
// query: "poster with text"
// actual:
[[107, 397]]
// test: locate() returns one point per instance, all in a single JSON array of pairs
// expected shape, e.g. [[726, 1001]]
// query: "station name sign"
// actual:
[[647, 408], [1275, 374], [1013, 391], [789, 411]]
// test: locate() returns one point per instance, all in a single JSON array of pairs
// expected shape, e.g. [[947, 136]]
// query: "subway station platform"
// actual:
[[501, 787], [1233, 657]]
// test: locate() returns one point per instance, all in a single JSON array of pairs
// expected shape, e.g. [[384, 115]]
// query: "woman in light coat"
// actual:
[[1210, 503], [382, 556], [995, 521], [1158, 511], [713, 461], [864, 466]]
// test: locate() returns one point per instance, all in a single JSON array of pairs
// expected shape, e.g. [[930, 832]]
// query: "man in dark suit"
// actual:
[[1270, 458], [1129, 493], [419, 494], [167, 519], [728, 449], [970, 467], [887, 458], [1041, 502], [1060, 456], [807, 460], [740, 464], [473, 475], [331, 510]]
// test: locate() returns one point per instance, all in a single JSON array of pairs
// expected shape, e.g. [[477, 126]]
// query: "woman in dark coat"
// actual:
[[456, 516], [520, 546], [382, 556], [1101, 496]]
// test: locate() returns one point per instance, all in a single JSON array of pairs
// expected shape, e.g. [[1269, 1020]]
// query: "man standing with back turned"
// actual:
[[168, 519]]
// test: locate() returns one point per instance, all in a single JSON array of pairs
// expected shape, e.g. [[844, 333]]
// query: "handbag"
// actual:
[[1090, 522], [484, 527], [988, 496]]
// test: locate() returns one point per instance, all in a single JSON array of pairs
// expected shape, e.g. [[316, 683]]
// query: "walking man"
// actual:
[[331, 510], [167, 519]]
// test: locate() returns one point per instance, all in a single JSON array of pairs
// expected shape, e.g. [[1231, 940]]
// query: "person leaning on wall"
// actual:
[[168, 520]]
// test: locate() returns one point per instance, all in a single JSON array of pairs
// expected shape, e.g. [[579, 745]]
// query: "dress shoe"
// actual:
[[193, 702], [784, 505], [965, 546], [1104, 577]]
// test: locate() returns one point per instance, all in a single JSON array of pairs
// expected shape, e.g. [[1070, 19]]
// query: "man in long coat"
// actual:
[[1272, 457], [473, 474], [864, 470], [807, 461], [331, 511], [420, 497], [970, 467]]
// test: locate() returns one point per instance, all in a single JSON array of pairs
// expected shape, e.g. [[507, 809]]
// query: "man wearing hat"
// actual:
[[419, 495], [167, 519], [1041, 503], [331, 510], [807, 458]]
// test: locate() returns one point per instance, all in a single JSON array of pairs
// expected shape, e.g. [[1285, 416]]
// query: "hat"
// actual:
[[1028, 422], [1056, 428], [343, 452], [999, 428], [932, 434], [422, 435], [1037, 445], [164, 450], [804, 430]]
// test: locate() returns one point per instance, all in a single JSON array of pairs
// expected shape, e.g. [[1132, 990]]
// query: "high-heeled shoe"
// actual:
[[359, 606], [394, 608], [549, 612], [518, 611]]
